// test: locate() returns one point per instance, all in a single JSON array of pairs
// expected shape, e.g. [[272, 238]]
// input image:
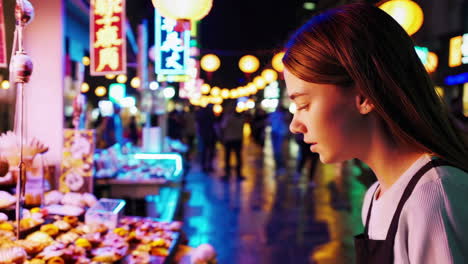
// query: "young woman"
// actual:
[[362, 92]]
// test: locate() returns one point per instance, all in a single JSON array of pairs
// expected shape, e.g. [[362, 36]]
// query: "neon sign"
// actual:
[[458, 52], [171, 48], [108, 47]]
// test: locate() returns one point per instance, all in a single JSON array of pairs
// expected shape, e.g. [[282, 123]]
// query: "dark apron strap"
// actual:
[[406, 194]]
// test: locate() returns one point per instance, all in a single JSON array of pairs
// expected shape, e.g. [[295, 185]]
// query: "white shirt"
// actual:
[[433, 226]]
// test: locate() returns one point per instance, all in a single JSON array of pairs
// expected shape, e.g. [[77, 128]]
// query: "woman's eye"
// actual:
[[301, 107]]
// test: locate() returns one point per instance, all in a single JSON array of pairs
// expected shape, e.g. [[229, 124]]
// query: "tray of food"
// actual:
[[65, 239]]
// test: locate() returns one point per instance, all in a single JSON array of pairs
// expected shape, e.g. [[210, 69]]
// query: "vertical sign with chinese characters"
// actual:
[[107, 29], [172, 47], [3, 56]]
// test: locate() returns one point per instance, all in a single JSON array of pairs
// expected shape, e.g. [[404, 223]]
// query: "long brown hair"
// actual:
[[362, 46]]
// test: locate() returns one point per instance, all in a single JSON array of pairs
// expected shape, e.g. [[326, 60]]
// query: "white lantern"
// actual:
[[183, 9]]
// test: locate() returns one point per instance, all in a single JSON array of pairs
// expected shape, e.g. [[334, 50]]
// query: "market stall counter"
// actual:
[[154, 179]]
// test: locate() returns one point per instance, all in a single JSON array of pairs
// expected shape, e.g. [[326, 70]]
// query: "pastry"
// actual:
[[159, 251], [62, 225], [67, 238], [82, 260], [12, 255], [41, 237], [4, 234], [73, 198], [7, 226], [31, 247], [35, 261], [3, 217], [104, 254], [83, 242], [50, 229], [53, 197], [56, 260], [53, 250], [121, 231], [6, 199], [139, 257], [89, 199], [93, 238], [57, 209], [71, 219]]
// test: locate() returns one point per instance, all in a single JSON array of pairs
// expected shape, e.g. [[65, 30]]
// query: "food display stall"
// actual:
[[152, 178], [86, 212]]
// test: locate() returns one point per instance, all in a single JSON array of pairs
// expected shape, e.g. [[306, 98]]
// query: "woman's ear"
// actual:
[[364, 105]]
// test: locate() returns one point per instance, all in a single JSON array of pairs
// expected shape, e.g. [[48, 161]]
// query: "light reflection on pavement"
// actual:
[[270, 218]]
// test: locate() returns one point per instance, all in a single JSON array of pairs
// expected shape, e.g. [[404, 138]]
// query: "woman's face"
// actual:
[[328, 117]]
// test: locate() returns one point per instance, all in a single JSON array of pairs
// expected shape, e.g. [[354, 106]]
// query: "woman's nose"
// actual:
[[296, 126]]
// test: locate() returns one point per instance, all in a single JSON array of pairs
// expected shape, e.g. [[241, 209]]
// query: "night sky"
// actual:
[[234, 28]]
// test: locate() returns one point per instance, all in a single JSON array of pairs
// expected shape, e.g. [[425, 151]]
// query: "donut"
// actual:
[[72, 220], [56, 260], [50, 229]]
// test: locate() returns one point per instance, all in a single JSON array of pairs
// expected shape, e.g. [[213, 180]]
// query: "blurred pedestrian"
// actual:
[[279, 120], [206, 132], [303, 156], [190, 129], [133, 131], [259, 122], [232, 125], [175, 122]]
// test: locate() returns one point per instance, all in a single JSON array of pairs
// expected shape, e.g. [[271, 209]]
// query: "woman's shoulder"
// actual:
[[447, 176], [440, 188]]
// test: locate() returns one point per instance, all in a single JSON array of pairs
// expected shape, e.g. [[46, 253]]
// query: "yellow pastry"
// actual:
[[50, 229], [158, 243], [56, 260], [83, 242], [27, 223], [72, 220], [36, 261], [7, 226], [144, 248], [157, 251], [35, 210], [42, 237], [121, 231]]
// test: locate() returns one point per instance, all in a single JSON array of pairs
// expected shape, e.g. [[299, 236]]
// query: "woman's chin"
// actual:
[[327, 159]]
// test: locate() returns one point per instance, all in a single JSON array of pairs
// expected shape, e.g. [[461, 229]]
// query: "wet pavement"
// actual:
[[275, 216]]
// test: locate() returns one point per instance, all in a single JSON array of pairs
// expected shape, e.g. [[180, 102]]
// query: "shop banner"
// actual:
[[107, 37], [77, 162], [172, 47], [3, 54]]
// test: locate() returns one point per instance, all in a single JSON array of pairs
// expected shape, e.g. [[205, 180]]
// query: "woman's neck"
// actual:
[[389, 161]]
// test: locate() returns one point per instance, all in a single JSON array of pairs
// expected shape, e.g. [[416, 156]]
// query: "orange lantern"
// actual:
[[269, 75], [249, 64], [210, 63], [277, 62]]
